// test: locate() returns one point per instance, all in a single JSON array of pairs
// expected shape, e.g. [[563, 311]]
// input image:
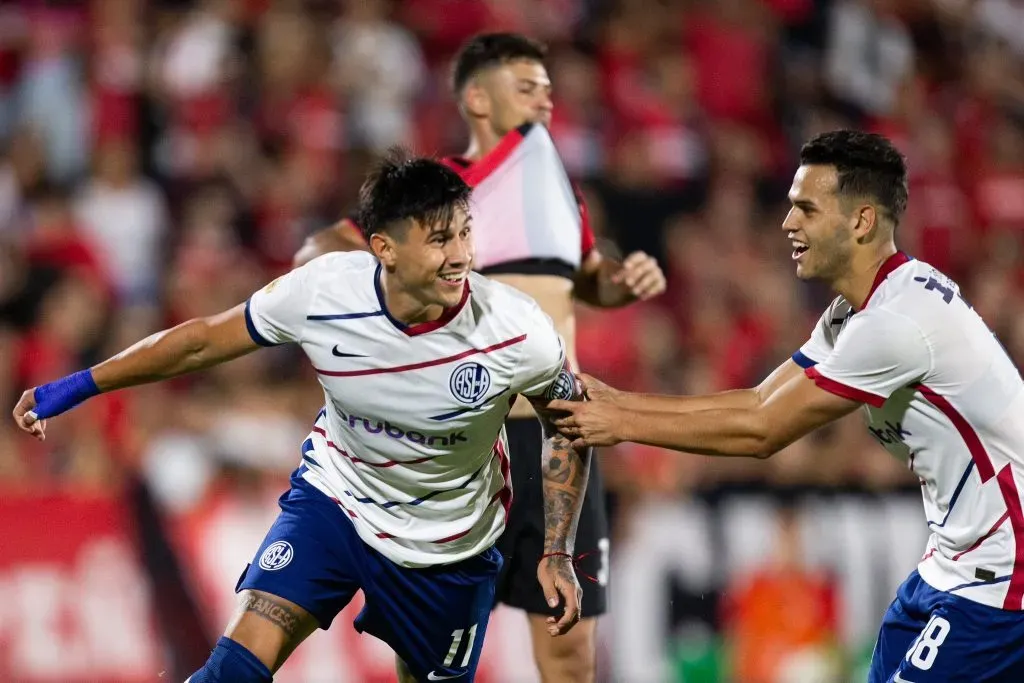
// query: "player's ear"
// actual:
[[475, 100], [864, 222], [383, 247]]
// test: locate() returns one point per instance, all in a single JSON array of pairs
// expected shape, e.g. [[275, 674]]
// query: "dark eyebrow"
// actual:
[[443, 231], [804, 204]]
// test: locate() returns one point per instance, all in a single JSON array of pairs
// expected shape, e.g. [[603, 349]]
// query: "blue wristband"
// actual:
[[64, 394]]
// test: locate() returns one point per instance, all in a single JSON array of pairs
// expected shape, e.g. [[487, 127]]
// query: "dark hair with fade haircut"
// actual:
[[491, 49], [404, 187], [868, 165]]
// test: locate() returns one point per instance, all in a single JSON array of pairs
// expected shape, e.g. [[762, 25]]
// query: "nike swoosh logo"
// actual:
[[900, 679], [434, 677], [339, 354]]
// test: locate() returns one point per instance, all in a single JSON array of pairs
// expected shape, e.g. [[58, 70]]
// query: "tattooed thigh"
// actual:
[[287, 616]]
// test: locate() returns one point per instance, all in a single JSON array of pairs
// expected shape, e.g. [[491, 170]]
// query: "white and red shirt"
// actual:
[[528, 217], [410, 443], [941, 394]]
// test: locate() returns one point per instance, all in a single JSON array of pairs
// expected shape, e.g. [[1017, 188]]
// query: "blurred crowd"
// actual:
[[162, 159]]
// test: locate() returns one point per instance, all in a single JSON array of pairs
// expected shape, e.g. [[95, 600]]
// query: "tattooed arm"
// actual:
[[564, 471]]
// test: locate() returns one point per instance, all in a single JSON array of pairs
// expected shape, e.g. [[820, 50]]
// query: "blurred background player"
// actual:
[[403, 486], [500, 82], [937, 390]]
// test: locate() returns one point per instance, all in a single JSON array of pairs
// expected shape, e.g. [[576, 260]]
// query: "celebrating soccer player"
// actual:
[[532, 233], [937, 391], [403, 485]]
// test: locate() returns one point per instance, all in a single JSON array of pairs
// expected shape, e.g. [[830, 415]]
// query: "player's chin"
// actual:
[[804, 271], [448, 294]]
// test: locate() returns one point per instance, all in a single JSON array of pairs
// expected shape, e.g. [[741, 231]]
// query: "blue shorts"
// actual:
[[435, 619], [929, 636]]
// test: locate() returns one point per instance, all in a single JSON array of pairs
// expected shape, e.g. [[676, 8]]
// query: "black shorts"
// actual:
[[522, 544]]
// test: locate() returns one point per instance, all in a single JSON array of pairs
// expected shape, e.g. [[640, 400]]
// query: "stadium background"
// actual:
[[163, 159]]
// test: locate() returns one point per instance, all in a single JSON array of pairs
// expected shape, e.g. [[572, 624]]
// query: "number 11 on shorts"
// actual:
[[925, 649], [456, 641]]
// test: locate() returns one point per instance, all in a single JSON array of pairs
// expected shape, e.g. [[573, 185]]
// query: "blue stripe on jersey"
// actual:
[[380, 298], [1001, 579], [345, 316], [307, 447], [463, 411], [393, 503], [956, 494], [253, 332], [803, 361]]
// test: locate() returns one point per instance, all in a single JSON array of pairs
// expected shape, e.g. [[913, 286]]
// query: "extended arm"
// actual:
[[758, 430], [194, 345], [755, 423], [881, 351], [665, 403]]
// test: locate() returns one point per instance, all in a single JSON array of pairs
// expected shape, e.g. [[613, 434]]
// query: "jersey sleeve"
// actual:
[[276, 314], [819, 346], [877, 353], [544, 370]]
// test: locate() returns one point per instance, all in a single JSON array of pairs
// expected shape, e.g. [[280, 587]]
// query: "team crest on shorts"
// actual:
[[469, 382], [277, 556]]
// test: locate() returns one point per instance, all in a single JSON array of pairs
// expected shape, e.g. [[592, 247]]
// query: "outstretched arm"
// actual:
[[880, 352], [666, 403], [194, 345], [564, 472], [723, 427]]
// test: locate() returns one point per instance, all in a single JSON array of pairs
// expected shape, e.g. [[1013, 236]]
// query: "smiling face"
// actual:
[[429, 263], [818, 224]]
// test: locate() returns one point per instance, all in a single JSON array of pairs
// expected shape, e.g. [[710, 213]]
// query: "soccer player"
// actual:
[[934, 385], [403, 485], [501, 84]]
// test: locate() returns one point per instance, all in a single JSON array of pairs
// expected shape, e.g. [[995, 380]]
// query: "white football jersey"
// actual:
[[941, 394], [411, 443]]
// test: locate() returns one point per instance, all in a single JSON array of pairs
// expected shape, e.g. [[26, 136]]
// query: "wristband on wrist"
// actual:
[[64, 394]]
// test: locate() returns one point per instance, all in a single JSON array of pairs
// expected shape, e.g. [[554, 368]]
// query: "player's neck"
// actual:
[[856, 285], [481, 142], [406, 308]]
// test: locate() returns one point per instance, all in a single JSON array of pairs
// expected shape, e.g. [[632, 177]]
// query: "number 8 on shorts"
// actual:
[[925, 649]]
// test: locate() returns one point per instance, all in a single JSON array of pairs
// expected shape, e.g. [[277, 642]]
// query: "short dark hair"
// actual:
[[403, 187], [491, 49], [868, 165]]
